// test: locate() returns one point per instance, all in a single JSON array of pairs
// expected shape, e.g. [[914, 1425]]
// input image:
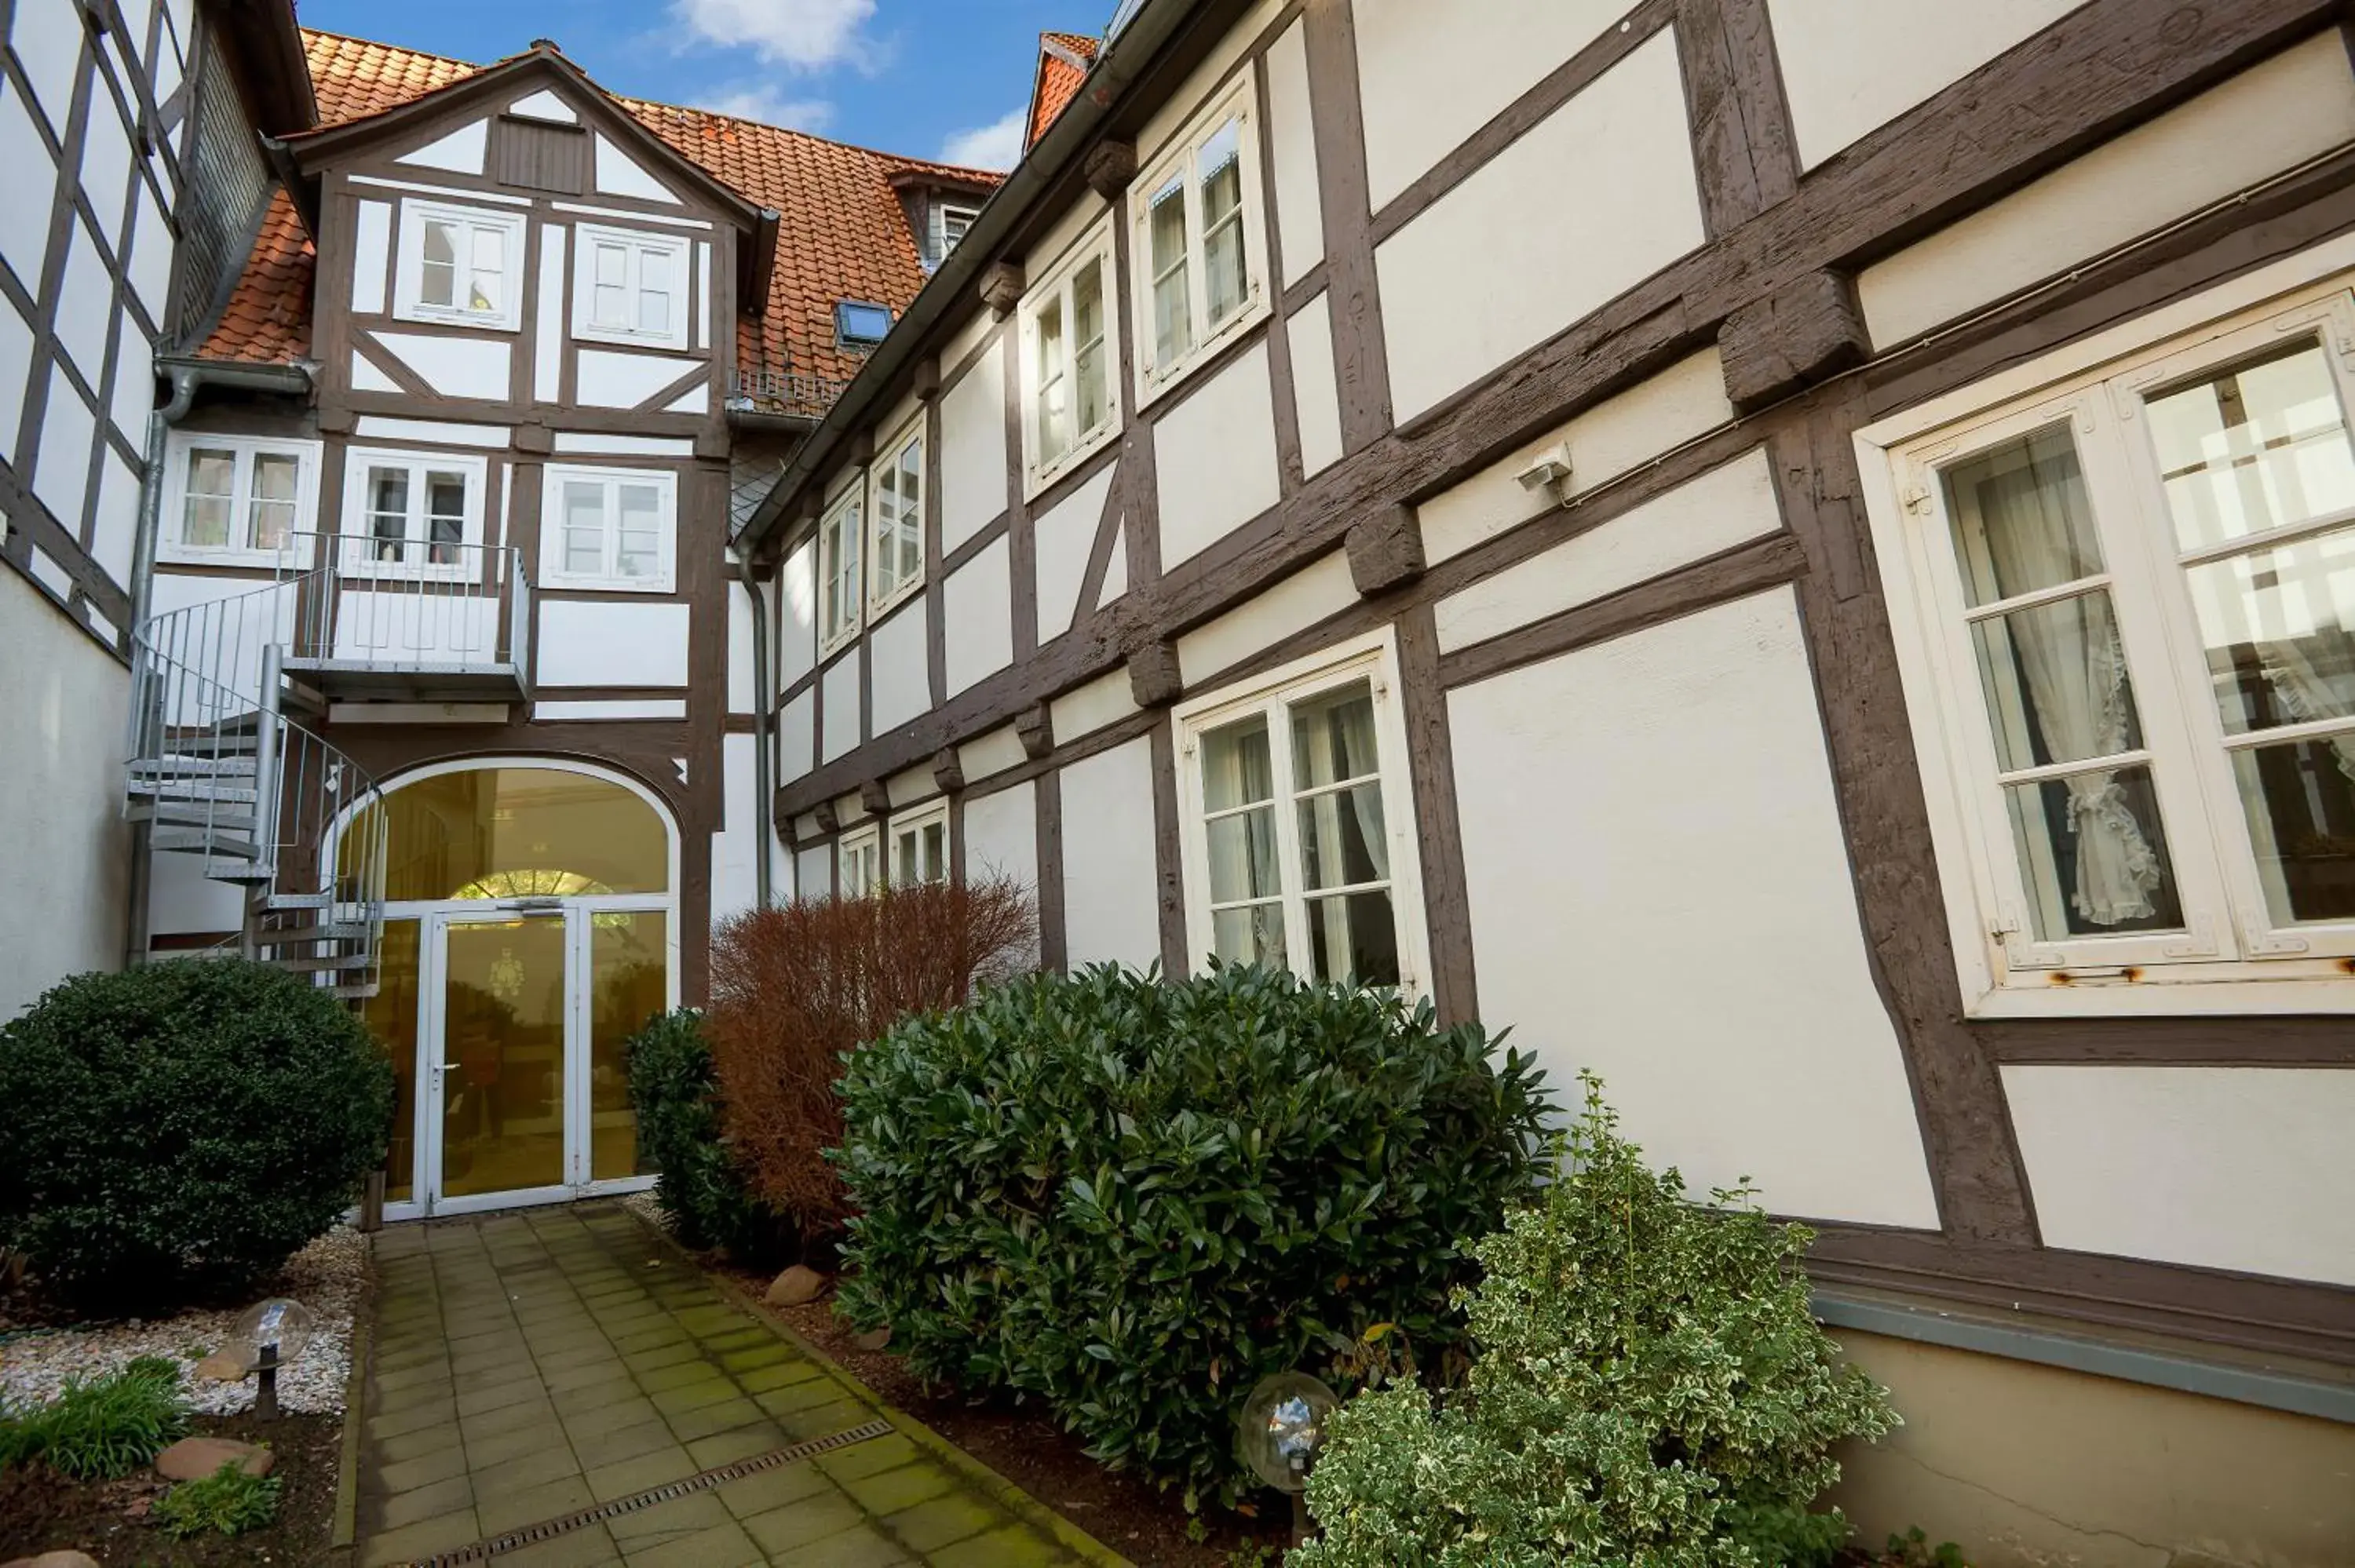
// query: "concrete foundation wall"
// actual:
[[2026, 1465]]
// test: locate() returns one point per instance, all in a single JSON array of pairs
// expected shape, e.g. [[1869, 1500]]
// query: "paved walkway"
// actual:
[[537, 1364]]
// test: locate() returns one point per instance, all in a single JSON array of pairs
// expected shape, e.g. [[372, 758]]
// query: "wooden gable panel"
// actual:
[[538, 155]]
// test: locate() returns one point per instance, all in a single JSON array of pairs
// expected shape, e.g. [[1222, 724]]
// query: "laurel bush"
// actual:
[[1132, 1199], [1647, 1387]]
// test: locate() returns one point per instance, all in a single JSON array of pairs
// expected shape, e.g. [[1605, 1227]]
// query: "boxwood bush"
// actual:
[[1648, 1386], [182, 1129], [1132, 1199], [700, 1184]]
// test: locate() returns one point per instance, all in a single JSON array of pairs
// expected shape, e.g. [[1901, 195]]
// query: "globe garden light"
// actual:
[[1279, 1432], [268, 1335]]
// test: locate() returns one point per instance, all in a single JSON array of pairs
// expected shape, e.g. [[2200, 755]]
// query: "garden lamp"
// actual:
[[267, 1335], [1279, 1432]]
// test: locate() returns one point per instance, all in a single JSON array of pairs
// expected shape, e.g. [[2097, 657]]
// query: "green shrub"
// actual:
[[1133, 1200], [226, 1502], [700, 1186], [1648, 1387], [181, 1129], [101, 1429]]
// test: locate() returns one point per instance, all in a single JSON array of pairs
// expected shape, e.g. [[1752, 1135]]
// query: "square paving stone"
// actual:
[[605, 1446], [413, 1444], [804, 1520], [681, 1374], [737, 1443], [722, 1546], [761, 1380], [608, 1386], [446, 1533], [928, 1526], [668, 1521], [547, 1463], [533, 1505], [769, 1353], [451, 1495], [417, 1417], [483, 1451], [533, 1411], [868, 1458], [801, 1395], [403, 1475], [705, 1420], [748, 1497], [626, 1477], [896, 1491], [1012, 1547], [824, 1420], [861, 1546]]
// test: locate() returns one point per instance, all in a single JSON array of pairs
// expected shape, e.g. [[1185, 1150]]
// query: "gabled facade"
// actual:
[[1790, 554], [443, 674]]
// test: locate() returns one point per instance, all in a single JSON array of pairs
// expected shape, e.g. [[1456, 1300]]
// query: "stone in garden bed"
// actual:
[[797, 1284], [54, 1560], [193, 1459]]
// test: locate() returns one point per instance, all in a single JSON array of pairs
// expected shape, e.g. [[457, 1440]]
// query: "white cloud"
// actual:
[[763, 102], [997, 145], [807, 35]]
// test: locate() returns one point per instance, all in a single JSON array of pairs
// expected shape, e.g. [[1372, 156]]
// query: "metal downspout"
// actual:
[[763, 693], [185, 380]]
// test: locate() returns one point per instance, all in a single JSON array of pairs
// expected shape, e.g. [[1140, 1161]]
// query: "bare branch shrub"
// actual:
[[796, 986]]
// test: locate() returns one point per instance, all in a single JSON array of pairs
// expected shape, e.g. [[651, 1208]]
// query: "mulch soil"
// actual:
[[41, 1510], [1021, 1442]]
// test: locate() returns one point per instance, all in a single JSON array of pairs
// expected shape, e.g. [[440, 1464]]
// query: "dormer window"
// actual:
[[859, 324], [950, 220]]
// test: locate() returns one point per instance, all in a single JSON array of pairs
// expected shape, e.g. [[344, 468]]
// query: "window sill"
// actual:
[[841, 640], [1152, 387], [426, 315], [1036, 481], [170, 554], [661, 587], [2312, 986], [876, 609], [612, 338]]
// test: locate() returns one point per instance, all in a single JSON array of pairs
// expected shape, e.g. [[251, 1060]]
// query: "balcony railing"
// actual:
[[419, 620], [786, 392]]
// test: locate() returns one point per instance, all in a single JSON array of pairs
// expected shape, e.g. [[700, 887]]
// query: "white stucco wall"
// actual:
[[838, 712], [1316, 388], [797, 614], [1722, 508], [900, 667], [1660, 892], [1001, 833], [1214, 457], [1596, 197], [1319, 590], [1105, 700], [1111, 906], [990, 753], [1851, 66], [1065, 534], [2287, 110], [798, 737], [1605, 441], [973, 449], [736, 848], [2240, 1167], [604, 643], [64, 849], [977, 617], [462, 367], [1292, 144], [1431, 75]]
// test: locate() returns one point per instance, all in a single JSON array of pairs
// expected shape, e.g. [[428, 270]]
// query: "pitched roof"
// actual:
[[1063, 61], [842, 233]]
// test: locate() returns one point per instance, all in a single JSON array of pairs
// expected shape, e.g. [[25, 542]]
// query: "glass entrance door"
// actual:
[[499, 1079]]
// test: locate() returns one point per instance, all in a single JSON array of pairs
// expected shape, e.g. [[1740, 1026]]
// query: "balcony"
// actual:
[[784, 392], [405, 620]]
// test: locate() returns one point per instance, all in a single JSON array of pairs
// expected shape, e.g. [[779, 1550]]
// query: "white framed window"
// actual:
[[459, 264], [2125, 606], [413, 514], [1297, 823], [1198, 255], [895, 510], [920, 846], [859, 871], [950, 221], [237, 499], [1068, 334], [839, 536], [609, 528], [629, 287]]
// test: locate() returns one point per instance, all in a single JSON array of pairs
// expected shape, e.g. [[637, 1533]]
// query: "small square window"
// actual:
[[609, 528], [860, 872], [920, 847], [859, 324], [237, 498], [629, 287], [460, 265]]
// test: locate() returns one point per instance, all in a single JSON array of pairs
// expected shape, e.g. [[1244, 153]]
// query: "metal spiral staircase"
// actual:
[[227, 767], [223, 770]]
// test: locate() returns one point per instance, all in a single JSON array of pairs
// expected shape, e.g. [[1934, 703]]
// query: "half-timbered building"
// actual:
[[1793, 552]]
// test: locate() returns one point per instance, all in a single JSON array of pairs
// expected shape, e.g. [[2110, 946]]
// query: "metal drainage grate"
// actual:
[[532, 1534]]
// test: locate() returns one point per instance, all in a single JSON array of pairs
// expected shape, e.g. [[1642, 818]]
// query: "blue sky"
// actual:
[[929, 77]]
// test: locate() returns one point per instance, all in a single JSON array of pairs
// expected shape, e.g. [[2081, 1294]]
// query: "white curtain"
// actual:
[[2075, 671], [2307, 693], [1242, 847], [1337, 741]]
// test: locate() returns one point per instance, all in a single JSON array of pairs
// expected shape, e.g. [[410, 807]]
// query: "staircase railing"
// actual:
[[398, 604], [219, 770]]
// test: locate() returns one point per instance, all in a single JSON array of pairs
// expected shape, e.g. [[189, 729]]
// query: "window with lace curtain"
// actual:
[[1299, 829], [1197, 254], [2125, 609]]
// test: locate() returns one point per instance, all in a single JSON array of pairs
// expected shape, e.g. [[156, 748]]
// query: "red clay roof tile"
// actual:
[[1058, 79], [842, 232]]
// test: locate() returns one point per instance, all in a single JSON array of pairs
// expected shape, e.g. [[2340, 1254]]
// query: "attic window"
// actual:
[[858, 324]]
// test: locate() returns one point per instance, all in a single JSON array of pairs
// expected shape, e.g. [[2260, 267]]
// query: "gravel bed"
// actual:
[[642, 1204], [328, 1276]]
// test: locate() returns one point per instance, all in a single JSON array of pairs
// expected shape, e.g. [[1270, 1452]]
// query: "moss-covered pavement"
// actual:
[[529, 1370]]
